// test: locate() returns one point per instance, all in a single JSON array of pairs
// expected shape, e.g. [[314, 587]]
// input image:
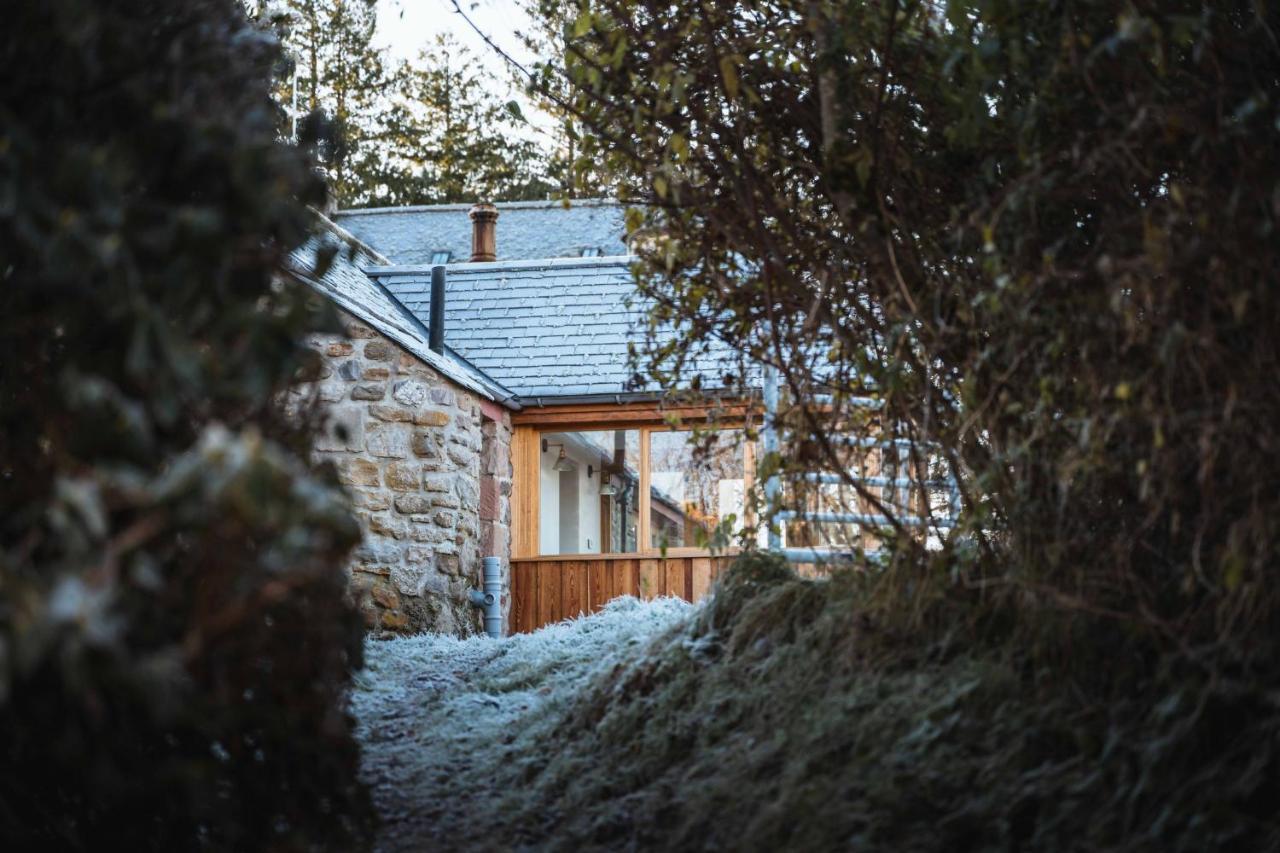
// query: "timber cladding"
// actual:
[[546, 590]]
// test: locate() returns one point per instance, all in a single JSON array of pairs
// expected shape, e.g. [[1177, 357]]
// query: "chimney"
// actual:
[[484, 241]]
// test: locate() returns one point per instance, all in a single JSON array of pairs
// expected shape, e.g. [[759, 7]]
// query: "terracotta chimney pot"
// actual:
[[484, 240]]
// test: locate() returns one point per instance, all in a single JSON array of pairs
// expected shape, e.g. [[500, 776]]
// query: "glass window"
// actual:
[[589, 492], [591, 252], [440, 257], [698, 488]]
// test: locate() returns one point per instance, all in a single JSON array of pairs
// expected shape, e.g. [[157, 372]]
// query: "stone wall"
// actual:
[[428, 466], [495, 488]]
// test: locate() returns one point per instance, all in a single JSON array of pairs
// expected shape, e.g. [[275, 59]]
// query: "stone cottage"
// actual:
[[478, 406], [419, 436]]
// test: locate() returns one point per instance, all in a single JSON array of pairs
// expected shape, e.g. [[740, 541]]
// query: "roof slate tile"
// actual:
[[542, 329], [525, 230]]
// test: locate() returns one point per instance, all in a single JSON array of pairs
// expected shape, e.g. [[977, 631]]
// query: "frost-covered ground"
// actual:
[[783, 714], [437, 715]]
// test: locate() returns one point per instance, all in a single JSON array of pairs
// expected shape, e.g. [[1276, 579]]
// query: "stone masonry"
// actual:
[[428, 466]]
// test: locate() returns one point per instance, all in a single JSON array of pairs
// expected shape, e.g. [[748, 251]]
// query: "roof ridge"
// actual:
[[501, 205], [464, 268], [349, 238]]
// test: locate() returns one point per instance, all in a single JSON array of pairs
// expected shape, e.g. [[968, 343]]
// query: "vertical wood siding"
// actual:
[[546, 590]]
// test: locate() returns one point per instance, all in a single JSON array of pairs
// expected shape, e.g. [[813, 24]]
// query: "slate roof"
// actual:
[[526, 230], [351, 289], [545, 328]]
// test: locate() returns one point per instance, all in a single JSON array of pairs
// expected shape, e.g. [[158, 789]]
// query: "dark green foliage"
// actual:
[[1043, 235], [570, 168], [452, 139], [426, 131], [339, 73], [174, 641], [791, 714]]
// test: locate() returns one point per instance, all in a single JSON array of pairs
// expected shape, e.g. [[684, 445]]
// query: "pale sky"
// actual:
[[407, 26]]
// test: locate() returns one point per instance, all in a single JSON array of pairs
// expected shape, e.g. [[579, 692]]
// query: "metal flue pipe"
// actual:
[[435, 329]]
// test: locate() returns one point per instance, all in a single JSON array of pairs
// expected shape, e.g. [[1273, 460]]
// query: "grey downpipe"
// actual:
[[490, 598], [769, 436]]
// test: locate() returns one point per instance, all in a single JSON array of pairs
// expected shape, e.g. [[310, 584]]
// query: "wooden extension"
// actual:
[[545, 590]]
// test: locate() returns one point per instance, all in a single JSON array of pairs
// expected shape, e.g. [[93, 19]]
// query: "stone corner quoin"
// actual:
[[428, 467]]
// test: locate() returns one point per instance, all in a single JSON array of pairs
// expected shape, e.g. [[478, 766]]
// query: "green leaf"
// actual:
[[729, 70], [634, 219], [679, 145], [958, 13], [1233, 572]]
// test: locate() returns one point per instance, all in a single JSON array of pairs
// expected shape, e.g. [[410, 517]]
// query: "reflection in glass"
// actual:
[[696, 488], [589, 492]]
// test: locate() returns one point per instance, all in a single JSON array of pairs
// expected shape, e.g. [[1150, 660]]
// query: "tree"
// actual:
[[175, 643], [1040, 240], [431, 130], [452, 139], [575, 175], [1041, 236], [340, 74]]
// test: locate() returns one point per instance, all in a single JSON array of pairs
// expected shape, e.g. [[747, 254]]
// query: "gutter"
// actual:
[[544, 401], [502, 395], [579, 399]]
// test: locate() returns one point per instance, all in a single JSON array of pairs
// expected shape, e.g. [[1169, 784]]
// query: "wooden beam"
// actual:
[[587, 416], [701, 574], [642, 527], [650, 579], [525, 460], [675, 578], [606, 523]]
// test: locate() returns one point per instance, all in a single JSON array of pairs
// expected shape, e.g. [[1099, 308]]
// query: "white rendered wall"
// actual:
[[549, 504]]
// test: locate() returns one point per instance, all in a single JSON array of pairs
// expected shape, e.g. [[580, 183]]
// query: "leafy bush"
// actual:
[[1042, 235], [175, 645]]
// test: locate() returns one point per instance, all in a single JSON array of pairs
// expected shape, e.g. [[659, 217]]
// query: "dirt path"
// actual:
[[436, 716]]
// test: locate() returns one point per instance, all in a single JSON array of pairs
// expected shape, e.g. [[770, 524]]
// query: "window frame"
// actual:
[[529, 428]]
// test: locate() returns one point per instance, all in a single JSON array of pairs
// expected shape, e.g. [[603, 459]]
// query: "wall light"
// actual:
[[607, 487], [563, 462]]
